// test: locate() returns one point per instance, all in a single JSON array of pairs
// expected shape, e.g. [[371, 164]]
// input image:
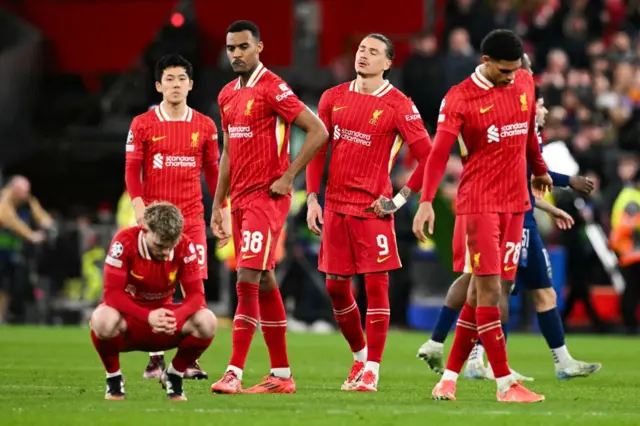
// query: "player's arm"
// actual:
[[192, 285], [563, 219], [287, 105], [116, 267], [133, 166], [41, 216], [316, 166], [411, 127], [541, 182], [210, 158], [224, 175], [9, 219]]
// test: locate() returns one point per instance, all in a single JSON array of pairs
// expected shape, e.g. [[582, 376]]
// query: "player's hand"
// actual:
[[138, 208], [563, 219], [281, 187], [383, 207], [221, 225], [162, 321], [314, 215], [37, 237], [540, 185], [581, 184], [424, 215]]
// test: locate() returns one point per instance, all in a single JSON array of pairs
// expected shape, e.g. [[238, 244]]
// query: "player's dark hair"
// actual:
[[173, 61], [239, 26], [165, 220], [388, 51], [502, 45]]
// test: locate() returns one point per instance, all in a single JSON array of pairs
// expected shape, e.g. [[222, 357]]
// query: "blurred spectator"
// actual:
[[420, 76], [461, 60]]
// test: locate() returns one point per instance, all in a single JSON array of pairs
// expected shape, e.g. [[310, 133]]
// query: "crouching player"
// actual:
[[137, 314]]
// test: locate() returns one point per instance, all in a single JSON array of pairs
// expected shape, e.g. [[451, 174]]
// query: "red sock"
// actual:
[[109, 351], [464, 339], [346, 313], [378, 314], [490, 331], [189, 350], [273, 321], [244, 323]]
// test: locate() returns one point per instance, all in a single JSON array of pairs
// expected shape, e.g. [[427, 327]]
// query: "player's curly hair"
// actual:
[[165, 220], [389, 52], [502, 45]]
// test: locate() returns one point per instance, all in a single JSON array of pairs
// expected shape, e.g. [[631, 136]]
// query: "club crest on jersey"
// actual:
[[523, 102], [172, 277], [247, 110], [194, 139], [375, 116]]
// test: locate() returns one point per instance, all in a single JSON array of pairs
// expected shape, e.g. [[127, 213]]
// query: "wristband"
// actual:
[[399, 200]]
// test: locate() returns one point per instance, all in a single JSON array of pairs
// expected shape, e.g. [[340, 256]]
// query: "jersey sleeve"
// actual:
[[121, 252], [222, 103], [189, 270], [284, 102], [211, 152], [315, 168], [409, 122], [451, 116], [324, 111], [136, 140]]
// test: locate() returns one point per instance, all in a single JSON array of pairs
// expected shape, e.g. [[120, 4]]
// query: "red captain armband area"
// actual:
[[436, 164]]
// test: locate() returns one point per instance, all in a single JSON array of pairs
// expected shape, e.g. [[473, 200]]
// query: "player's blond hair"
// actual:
[[165, 220]]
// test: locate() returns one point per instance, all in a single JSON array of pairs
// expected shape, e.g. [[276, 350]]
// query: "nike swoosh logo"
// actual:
[[134, 275], [376, 320], [245, 257], [382, 259], [500, 337], [240, 328], [483, 110], [509, 268], [338, 108], [157, 138], [226, 108]]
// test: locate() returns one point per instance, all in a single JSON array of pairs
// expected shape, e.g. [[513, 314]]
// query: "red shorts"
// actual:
[[488, 244], [256, 230], [355, 245], [197, 231], [140, 337]]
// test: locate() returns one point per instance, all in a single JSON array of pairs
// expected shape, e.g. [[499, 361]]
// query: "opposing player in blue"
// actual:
[[534, 274]]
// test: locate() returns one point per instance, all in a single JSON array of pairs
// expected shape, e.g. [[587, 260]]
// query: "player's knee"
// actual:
[[545, 299], [204, 324], [338, 288], [268, 281], [106, 322], [457, 293], [246, 275]]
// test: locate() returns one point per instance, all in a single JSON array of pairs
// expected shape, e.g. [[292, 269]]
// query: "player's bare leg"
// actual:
[[377, 326], [550, 323], [107, 327], [245, 323], [273, 321], [193, 372], [475, 368], [347, 315], [199, 331], [432, 351]]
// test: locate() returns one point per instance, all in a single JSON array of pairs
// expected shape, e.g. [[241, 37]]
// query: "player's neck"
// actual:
[[244, 78], [174, 111], [368, 85], [483, 71]]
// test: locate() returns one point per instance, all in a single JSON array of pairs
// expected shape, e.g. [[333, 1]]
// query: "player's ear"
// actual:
[[158, 87], [190, 84], [259, 47], [485, 59]]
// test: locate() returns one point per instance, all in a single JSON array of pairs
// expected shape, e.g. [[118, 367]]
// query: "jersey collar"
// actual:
[[143, 249], [255, 77], [380, 91], [480, 80], [162, 115]]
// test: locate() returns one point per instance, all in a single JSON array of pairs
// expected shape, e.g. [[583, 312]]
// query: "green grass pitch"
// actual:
[[52, 376]]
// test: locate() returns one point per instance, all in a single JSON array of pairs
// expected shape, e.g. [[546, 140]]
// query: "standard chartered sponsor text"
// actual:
[[240, 132]]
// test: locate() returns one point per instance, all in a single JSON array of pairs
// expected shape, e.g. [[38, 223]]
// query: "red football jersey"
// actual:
[[150, 283], [173, 154], [257, 117], [493, 126], [366, 134]]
